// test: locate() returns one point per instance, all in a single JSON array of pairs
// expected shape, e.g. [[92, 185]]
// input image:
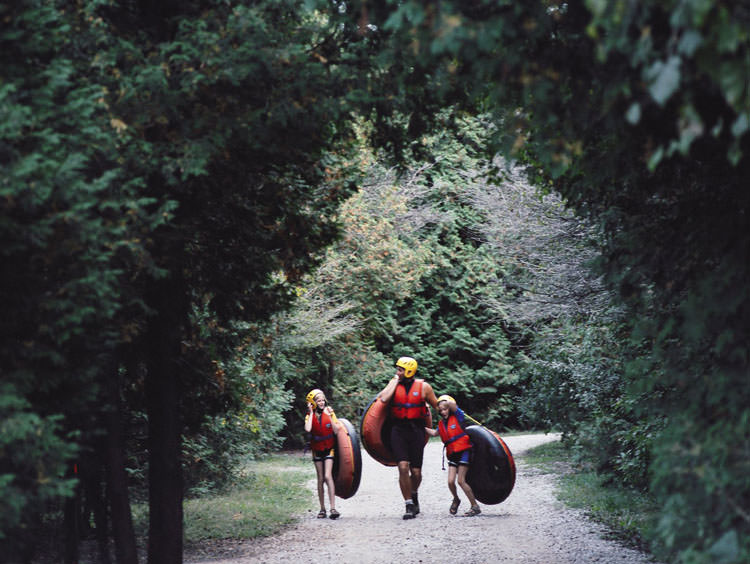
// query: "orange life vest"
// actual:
[[408, 405], [322, 432], [453, 435]]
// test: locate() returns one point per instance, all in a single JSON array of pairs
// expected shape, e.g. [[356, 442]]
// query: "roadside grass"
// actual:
[[629, 515], [266, 497]]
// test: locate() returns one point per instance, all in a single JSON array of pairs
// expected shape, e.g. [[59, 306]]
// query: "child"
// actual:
[[458, 444], [322, 424]]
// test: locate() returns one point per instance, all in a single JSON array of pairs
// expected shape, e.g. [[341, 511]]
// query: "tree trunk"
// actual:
[[93, 477], [162, 398], [72, 526], [117, 480]]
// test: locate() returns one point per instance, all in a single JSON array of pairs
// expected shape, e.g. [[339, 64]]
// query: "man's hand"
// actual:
[[387, 393]]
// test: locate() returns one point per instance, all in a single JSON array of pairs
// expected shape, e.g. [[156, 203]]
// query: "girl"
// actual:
[[458, 444], [322, 424]]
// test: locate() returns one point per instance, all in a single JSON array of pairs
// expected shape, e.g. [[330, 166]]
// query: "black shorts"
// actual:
[[461, 458], [320, 455], [407, 442]]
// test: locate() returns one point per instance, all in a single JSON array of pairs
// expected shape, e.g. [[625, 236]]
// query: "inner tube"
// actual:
[[375, 430], [347, 461], [492, 473]]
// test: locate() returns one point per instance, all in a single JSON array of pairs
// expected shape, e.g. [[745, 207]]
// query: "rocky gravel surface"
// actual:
[[530, 527]]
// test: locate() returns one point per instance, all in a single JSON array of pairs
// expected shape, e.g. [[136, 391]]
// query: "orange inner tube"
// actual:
[[375, 430], [347, 461]]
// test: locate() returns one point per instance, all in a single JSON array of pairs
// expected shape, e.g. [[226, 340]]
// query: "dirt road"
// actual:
[[530, 527]]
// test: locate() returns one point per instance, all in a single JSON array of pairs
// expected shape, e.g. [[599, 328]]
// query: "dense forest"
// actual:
[[209, 207]]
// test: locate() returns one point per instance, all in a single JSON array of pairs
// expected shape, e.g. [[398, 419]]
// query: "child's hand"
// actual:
[[328, 409]]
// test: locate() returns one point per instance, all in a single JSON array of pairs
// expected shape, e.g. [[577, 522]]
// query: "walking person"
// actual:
[[408, 395], [322, 425], [451, 429]]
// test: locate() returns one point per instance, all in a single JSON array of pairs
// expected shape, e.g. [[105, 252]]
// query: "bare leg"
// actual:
[[330, 483], [404, 480], [319, 471], [416, 479], [452, 481], [462, 471]]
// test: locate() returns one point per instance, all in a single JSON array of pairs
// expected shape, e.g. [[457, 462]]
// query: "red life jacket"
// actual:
[[453, 435], [408, 405], [323, 436]]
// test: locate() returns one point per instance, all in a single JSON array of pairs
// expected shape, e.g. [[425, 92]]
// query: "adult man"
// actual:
[[408, 396]]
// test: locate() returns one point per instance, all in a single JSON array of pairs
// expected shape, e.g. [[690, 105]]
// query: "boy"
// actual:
[[458, 444]]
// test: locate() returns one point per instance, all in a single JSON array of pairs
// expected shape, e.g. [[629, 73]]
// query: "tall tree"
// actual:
[[637, 113], [162, 158], [67, 215], [227, 112]]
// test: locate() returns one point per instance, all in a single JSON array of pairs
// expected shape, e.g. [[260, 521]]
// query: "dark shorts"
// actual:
[[321, 455], [462, 458], [407, 442]]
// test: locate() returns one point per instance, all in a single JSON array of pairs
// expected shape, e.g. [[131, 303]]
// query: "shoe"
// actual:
[[415, 509], [322, 514], [415, 501], [409, 514], [334, 514], [454, 506], [474, 510]]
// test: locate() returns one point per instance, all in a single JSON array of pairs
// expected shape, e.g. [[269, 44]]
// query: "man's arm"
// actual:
[[429, 395], [387, 393]]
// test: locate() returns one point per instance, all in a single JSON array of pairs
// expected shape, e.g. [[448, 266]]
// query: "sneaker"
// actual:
[[409, 514], [415, 501]]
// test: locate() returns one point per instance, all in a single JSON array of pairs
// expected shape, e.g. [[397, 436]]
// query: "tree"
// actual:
[[66, 218], [636, 113], [411, 268], [328, 339], [163, 159]]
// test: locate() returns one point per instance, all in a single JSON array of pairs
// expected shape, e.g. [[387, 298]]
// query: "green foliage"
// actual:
[[161, 160], [36, 468], [408, 277], [463, 346], [636, 113], [181, 157], [707, 455], [64, 221]]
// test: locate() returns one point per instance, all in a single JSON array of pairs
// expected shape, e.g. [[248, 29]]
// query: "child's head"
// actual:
[[444, 405], [316, 398]]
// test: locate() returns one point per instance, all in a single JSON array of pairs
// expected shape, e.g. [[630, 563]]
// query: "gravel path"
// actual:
[[530, 527]]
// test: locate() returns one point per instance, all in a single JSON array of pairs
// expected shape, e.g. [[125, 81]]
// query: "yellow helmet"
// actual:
[[311, 396], [409, 365], [446, 397]]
